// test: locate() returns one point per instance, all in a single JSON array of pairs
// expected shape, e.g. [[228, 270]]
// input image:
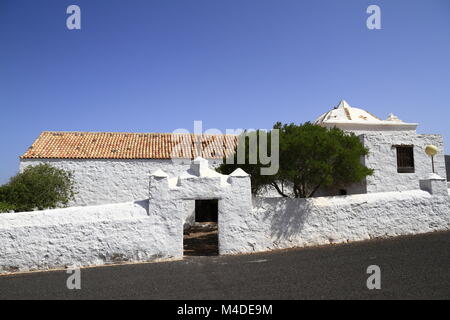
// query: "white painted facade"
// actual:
[[108, 225], [279, 223], [176, 195], [84, 236], [153, 229], [382, 137], [383, 159], [125, 232], [104, 181]]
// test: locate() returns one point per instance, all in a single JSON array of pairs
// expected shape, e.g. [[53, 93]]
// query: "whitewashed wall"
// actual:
[[276, 223], [115, 181], [82, 236], [153, 229], [97, 235], [132, 231], [174, 196], [109, 180], [383, 159]]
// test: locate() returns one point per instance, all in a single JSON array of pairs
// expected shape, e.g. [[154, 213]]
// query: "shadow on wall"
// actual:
[[287, 216], [447, 166], [143, 204]]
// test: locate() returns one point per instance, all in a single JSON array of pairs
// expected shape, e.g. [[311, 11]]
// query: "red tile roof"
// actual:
[[117, 145]]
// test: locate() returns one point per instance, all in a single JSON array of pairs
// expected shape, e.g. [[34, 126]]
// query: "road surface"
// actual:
[[412, 267]]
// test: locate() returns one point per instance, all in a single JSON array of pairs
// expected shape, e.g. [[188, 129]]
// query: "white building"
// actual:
[[110, 168], [396, 150], [115, 167]]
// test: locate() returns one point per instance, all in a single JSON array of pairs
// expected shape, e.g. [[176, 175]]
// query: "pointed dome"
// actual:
[[347, 117], [344, 112], [342, 104]]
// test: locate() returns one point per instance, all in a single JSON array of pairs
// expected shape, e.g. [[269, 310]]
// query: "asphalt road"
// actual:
[[415, 267]]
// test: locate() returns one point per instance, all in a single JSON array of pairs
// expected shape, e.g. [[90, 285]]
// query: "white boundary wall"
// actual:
[[276, 223], [153, 229], [83, 236]]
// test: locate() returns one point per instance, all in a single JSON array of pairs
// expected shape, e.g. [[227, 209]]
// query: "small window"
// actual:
[[405, 159]]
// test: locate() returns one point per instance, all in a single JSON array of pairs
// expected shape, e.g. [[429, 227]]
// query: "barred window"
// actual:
[[405, 159]]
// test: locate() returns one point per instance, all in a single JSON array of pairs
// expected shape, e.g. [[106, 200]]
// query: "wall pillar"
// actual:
[[435, 185], [234, 209]]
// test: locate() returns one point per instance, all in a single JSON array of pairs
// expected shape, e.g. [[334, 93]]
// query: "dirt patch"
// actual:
[[201, 240]]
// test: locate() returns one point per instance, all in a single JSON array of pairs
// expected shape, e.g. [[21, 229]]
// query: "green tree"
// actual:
[[38, 187], [311, 157], [258, 181]]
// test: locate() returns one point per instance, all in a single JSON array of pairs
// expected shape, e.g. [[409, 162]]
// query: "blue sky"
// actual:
[[155, 66]]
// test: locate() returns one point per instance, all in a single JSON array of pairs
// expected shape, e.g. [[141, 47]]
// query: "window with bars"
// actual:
[[405, 159]]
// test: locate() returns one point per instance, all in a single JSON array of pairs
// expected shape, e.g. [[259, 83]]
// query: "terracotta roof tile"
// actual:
[[117, 145]]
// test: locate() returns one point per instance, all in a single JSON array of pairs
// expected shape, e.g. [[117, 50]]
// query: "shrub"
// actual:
[[38, 187], [6, 207]]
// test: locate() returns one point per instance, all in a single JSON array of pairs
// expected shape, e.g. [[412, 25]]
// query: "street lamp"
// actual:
[[431, 150]]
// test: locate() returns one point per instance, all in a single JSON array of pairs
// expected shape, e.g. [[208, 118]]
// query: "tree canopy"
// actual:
[[37, 187], [310, 157]]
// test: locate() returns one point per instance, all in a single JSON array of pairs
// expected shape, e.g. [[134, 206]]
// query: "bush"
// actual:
[[38, 187], [6, 207]]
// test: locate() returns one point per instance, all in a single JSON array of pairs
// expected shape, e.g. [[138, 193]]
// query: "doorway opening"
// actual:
[[202, 237], [206, 211]]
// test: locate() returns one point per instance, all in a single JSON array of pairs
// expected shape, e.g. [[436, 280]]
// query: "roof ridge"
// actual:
[[136, 133]]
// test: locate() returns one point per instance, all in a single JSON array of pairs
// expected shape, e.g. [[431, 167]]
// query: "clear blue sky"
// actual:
[[155, 66]]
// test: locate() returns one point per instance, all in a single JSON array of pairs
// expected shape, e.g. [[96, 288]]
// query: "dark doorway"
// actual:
[[206, 210], [202, 238]]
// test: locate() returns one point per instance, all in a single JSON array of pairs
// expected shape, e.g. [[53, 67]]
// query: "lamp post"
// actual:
[[431, 150]]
